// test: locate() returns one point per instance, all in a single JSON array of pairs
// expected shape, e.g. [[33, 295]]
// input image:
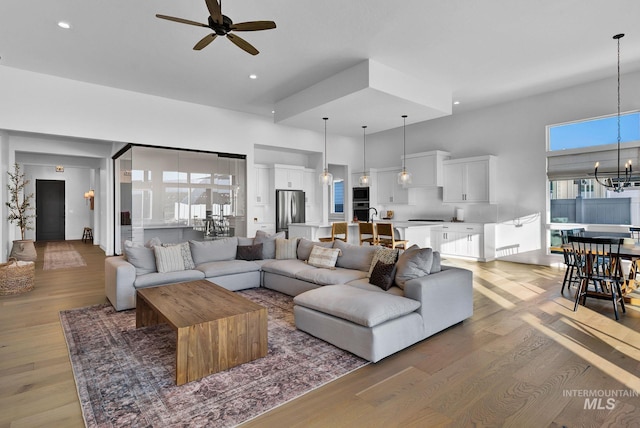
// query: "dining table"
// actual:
[[629, 251]]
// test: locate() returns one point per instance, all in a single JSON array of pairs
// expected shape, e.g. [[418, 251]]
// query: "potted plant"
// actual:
[[20, 213]]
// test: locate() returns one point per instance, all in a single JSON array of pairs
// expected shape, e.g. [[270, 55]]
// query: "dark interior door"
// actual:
[[50, 210]]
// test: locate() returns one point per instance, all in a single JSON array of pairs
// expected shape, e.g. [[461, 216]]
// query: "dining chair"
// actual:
[[571, 272], [367, 233], [339, 231], [598, 263], [635, 233], [386, 236]]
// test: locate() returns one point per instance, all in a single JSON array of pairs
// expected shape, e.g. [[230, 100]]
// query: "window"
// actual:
[[594, 132], [337, 196]]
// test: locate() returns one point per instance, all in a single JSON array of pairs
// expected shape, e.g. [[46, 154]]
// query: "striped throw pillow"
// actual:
[[286, 248], [324, 257], [169, 259]]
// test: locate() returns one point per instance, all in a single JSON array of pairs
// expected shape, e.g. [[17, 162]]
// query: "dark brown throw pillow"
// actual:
[[249, 252], [383, 275]]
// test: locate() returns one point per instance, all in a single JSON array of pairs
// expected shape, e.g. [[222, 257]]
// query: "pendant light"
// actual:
[[404, 177], [620, 183], [326, 178], [364, 178]]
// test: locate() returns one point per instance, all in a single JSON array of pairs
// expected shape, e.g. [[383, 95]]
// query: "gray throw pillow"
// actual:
[[437, 262], [305, 246], [142, 258], [213, 251], [354, 256], [268, 243], [415, 262]]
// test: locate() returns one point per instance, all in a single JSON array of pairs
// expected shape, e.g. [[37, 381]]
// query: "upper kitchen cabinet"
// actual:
[[288, 177], [469, 180], [388, 189], [426, 168], [262, 184]]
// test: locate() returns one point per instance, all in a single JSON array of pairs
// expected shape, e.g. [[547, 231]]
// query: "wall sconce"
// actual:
[[89, 195]]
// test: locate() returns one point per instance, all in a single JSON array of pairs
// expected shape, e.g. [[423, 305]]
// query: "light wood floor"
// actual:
[[514, 363]]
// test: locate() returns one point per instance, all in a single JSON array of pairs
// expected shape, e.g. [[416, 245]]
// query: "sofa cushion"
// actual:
[[354, 256], [364, 284], [305, 246], [323, 257], [268, 243], [213, 251], [383, 275], [415, 262], [245, 241], [169, 258], [386, 255], [155, 278], [227, 267], [359, 306], [285, 267], [286, 248], [322, 276], [249, 252], [436, 266], [142, 258]]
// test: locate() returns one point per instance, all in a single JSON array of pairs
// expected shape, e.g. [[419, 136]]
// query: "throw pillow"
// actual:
[[305, 246], [142, 258], [437, 262], [323, 257], [245, 241], [249, 252], [268, 243], [286, 248], [185, 249], [383, 275], [415, 262], [169, 259], [386, 255], [354, 256], [153, 242]]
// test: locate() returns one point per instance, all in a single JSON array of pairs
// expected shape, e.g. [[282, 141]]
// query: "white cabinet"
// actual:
[[288, 177], [269, 228], [310, 181], [263, 189], [388, 189], [466, 240], [470, 180], [426, 168]]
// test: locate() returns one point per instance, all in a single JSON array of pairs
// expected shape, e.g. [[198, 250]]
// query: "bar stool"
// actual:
[[339, 231], [386, 236], [367, 233], [87, 234]]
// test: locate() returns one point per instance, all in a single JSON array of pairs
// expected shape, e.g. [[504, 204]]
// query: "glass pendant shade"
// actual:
[[404, 177], [326, 178], [364, 180]]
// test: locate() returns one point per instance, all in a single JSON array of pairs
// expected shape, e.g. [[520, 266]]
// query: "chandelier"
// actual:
[[620, 182]]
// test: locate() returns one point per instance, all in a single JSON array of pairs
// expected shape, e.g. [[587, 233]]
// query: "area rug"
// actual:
[[126, 376], [61, 255]]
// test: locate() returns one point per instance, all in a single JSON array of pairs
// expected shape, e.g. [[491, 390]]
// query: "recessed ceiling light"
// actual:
[[64, 25], [273, 112], [455, 103], [253, 76]]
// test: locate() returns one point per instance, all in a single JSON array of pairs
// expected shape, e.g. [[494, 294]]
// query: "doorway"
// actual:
[[50, 210]]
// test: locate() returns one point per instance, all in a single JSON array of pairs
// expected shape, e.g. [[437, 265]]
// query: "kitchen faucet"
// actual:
[[375, 213]]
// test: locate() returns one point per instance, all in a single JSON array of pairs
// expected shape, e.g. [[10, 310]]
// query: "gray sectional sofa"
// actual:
[[339, 304]]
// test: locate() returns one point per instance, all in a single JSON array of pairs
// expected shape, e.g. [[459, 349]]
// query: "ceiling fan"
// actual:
[[222, 25]]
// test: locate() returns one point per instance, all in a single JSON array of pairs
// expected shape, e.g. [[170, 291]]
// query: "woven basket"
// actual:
[[16, 277]]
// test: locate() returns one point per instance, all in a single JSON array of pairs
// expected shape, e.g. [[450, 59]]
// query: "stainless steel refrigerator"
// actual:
[[289, 209]]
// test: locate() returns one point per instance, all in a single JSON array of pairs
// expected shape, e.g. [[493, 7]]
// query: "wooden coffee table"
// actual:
[[217, 328]]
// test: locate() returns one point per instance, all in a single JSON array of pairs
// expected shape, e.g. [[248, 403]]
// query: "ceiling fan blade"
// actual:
[[253, 26], [214, 10], [180, 20], [204, 42], [242, 44]]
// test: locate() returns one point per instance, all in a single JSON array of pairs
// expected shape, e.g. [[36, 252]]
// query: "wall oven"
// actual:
[[360, 194], [361, 203]]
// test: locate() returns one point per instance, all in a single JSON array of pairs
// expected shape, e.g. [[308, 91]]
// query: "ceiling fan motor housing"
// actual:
[[221, 29]]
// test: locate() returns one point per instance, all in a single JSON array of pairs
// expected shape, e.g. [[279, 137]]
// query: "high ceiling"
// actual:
[[482, 52]]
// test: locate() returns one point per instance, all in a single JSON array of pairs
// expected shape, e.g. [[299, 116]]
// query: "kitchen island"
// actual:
[[416, 232]]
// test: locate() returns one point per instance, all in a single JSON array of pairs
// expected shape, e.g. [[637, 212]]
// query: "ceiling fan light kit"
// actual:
[[222, 25]]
